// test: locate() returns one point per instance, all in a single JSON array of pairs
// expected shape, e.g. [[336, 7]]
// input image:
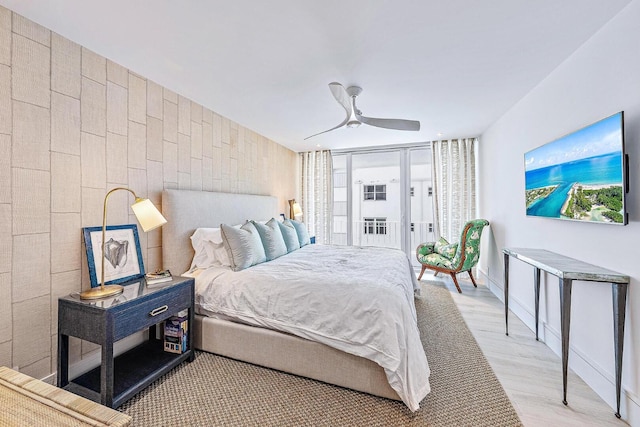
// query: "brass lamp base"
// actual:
[[101, 292]]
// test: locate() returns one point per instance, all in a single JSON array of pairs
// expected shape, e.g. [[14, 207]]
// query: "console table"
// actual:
[[567, 270]]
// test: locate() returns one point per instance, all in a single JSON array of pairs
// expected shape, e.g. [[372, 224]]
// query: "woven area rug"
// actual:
[[216, 391]]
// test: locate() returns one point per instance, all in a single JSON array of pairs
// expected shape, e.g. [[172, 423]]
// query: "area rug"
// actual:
[[217, 391]]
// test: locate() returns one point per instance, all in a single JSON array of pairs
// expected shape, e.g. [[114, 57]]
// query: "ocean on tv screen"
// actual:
[[588, 189]]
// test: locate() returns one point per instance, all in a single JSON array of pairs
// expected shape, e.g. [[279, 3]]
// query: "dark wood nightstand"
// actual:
[[108, 320]]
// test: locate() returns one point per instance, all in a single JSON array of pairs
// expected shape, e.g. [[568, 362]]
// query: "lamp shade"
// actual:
[[297, 210], [294, 209], [147, 214]]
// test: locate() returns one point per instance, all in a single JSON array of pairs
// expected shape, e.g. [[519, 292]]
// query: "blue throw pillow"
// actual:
[[243, 245], [301, 230], [272, 240], [290, 236]]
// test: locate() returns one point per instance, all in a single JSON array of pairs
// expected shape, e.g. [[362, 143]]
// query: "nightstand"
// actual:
[[107, 320]]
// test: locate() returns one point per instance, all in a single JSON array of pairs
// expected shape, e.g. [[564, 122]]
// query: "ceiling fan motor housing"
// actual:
[[354, 90]]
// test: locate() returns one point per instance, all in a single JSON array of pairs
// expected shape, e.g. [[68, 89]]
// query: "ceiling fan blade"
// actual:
[[329, 130], [397, 124], [340, 94]]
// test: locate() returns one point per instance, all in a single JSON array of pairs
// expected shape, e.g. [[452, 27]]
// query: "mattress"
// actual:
[[356, 299]]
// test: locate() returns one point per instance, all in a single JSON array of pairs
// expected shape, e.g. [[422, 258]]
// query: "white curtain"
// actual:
[[454, 185], [317, 193]]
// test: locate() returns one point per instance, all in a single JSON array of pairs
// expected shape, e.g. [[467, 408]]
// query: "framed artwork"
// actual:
[[123, 257]]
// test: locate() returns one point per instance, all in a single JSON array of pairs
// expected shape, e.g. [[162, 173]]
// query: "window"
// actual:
[[375, 225], [375, 192], [339, 208], [381, 226], [339, 179]]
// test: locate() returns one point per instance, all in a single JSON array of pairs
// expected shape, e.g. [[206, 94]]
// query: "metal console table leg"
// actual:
[[536, 281], [506, 294], [565, 323], [619, 294]]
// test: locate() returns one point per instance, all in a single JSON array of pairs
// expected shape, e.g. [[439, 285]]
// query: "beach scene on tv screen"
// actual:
[[579, 176]]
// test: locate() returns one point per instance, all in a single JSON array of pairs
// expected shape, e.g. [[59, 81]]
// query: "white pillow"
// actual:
[[202, 258], [208, 248], [218, 253], [206, 234]]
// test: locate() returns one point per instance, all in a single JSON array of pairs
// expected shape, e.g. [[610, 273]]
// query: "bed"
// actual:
[[293, 350]]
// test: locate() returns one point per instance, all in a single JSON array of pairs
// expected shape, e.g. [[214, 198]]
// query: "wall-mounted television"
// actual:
[[581, 176]]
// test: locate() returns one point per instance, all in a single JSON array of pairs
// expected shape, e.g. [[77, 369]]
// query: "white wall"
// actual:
[[599, 79]]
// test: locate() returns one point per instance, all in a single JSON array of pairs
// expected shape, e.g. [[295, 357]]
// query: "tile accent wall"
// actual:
[[73, 125]]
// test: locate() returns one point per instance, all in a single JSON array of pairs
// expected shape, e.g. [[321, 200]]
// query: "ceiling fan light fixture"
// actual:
[[347, 99]]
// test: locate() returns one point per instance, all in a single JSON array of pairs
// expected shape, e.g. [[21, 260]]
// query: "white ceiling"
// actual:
[[454, 65]]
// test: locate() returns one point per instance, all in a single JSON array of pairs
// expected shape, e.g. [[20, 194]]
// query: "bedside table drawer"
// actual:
[[150, 312]]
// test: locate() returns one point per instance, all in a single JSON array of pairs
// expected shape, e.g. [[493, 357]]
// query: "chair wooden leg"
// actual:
[[455, 281], [436, 273], [472, 279], [424, 267]]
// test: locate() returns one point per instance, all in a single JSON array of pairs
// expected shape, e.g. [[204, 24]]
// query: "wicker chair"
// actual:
[[453, 258]]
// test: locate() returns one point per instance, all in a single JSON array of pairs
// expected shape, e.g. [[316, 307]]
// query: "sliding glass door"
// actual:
[[376, 197], [383, 198], [421, 200]]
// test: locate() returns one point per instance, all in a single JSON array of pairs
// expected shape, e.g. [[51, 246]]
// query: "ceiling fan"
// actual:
[[347, 98]]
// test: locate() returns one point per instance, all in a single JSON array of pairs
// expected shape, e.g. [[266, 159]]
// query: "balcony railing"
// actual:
[[391, 239]]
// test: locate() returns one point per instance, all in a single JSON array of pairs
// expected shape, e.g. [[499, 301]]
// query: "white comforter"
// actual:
[[358, 300]]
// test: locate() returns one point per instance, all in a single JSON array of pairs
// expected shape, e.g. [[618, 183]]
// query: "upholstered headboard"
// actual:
[[187, 210]]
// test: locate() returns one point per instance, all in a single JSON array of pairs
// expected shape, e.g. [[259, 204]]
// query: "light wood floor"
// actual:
[[529, 371]]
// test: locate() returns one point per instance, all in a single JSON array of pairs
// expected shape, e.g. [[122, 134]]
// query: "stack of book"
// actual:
[[159, 276], [176, 329]]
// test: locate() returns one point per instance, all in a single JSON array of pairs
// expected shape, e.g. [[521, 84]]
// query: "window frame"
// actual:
[[375, 226], [374, 192]]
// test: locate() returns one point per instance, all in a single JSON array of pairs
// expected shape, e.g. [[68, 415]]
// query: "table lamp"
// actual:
[[149, 218], [295, 210]]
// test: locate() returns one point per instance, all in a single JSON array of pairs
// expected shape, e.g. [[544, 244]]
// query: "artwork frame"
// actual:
[[124, 261]]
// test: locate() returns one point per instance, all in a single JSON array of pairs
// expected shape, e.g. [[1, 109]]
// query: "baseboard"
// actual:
[[591, 373], [515, 305], [50, 379], [631, 408]]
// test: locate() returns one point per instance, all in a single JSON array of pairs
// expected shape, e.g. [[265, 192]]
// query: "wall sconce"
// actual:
[[295, 211], [149, 218]]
